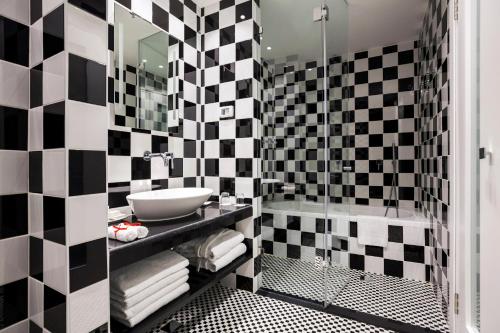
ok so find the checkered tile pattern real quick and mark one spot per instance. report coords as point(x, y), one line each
point(68, 278)
point(231, 147)
point(14, 165)
point(302, 236)
point(400, 299)
point(372, 105)
point(225, 310)
point(434, 136)
point(129, 173)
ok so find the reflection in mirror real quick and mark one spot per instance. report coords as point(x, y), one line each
point(146, 81)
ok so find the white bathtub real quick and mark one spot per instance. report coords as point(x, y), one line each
point(344, 211)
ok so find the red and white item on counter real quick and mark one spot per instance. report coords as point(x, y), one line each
point(127, 231)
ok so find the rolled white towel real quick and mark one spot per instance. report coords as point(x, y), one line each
point(142, 231)
point(129, 280)
point(122, 234)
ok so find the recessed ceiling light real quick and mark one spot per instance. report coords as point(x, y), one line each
point(269, 48)
point(310, 69)
point(144, 60)
point(243, 17)
point(261, 37)
point(160, 66)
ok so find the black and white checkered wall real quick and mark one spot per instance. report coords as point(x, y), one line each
point(302, 236)
point(231, 147)
point(14, 105)
point(128, 172)
point(68, 119)
point(371, 105)
point(434, 138)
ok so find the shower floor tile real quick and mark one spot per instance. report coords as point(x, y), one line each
point(408, 301)
point(225, 310)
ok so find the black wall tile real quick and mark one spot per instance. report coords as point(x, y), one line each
point(14, 302)
point(14, 42)
point(118, 143)
point(53, 125)
point(13, 128)
point(140, 168)
point(189, 36)
point(35, 171)
point(53, 32)
point(177, 9)
point(393, 268)
point(87, 172)
point(244, 11)
point(35, 10)
point(36, 86)
point(227, 35)
point(87, 264)
point(36, 258)
point(54, 218)
point(86, 81)
point(54, 315)
point(212, 167)
point(13, 215)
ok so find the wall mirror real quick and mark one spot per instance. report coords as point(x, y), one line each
point(146, 85)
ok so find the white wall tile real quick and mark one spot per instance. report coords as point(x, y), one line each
point(55, 267)
point(227, 167)
point(140, 185)
point(143, 8)
point(86, 126)
point(35, 214)
point(158, 169)
point(89, 307)
point(54, 70)
point(139, 143)
point(35, 291)
point(35, 135)
point(54, 172)
point(36, 43)
point(243, 31)
point(175, 27)
point(17, 10)
point(86, 35)
point(16, 93)
point(87, 218)
point(119, 169)
point(227, 54)
point(14, 263)
point(14, 175)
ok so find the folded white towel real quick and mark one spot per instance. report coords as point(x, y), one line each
point(211, 247)
point(215, 265)
point(131, 279)
point(127, 302)
point(131, 322)
point(373, 230)
point(129, 312)
point(122, 234)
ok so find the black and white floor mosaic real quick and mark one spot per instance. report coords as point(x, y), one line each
point(404, 300)
point(225, 310)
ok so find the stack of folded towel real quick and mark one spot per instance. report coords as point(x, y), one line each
point(143, 287)
point(215, 251)
point(127, 231)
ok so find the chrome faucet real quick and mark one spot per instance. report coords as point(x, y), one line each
point(166, 156)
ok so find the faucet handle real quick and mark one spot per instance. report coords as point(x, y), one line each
point(147, 156)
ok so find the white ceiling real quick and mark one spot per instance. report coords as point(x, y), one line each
point(354, 25)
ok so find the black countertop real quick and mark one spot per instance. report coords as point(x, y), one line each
point(167, 234)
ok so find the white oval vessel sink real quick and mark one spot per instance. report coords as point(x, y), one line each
point(168, 203)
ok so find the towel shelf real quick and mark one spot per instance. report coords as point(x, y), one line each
point(165, 235)
point(199, 282)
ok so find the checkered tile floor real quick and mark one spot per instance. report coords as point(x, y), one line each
point(404, 300)
point(225, 310)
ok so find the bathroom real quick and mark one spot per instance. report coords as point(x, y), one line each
point(248, 166)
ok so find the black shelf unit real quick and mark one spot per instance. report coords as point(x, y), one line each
point(199, 282)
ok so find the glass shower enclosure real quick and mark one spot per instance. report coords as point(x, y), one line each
point(305, 94)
